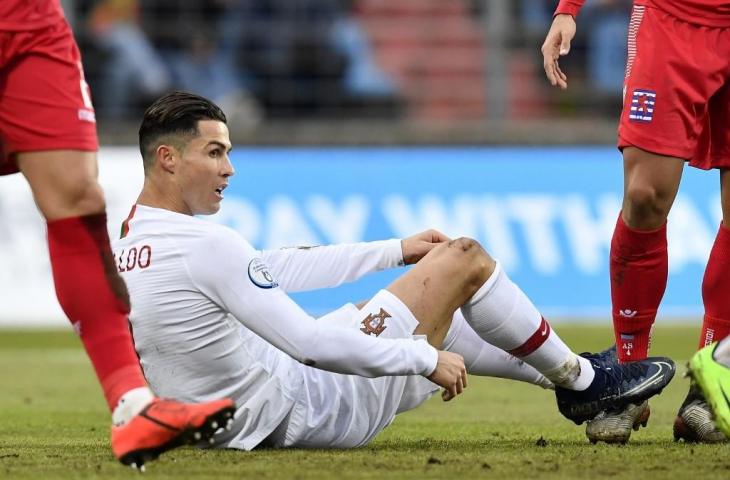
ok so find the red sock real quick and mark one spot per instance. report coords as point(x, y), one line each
point(94, 297)
point(639, 266)
point(716, 291)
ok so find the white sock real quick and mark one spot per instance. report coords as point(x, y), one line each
point(486, 360)
point(131, 404)
point(502, 315)
point(722, 352)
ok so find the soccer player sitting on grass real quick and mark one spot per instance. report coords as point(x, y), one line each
point(211, 316)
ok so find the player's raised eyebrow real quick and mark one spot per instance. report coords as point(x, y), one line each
point(224, 146)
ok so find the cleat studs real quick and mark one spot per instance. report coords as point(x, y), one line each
point(142, 468)
point(133, 465)
point(214, 425)
point(197, 436)
point(211, 440)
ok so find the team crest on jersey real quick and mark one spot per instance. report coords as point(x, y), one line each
point(375, 324)
point(642, 105)
point(259, 274)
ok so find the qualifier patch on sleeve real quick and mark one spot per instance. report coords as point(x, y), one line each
point(259, 274)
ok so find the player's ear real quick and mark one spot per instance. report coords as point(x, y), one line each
point(166, 156)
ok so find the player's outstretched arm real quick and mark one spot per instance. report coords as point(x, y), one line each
point(556, 45)
point(228, 270)
point(299, 269)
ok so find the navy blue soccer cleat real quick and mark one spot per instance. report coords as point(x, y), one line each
point(615, 386)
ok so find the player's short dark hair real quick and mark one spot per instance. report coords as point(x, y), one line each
point(174, 118)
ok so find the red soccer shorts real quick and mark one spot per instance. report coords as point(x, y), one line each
point(677, 89)
point(45, 102)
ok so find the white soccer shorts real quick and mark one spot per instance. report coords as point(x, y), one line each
point(344, 411)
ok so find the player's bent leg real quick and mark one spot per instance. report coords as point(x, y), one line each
point(484, 359)
point(501, 314)
point(387, 316)
point(440, 283)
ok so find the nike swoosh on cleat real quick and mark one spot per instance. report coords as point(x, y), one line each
point(664, 367)
point(727, 400)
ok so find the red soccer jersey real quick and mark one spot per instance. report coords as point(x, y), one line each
point(22, 15)
point(712, 13)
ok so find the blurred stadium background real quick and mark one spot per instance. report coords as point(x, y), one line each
point(356, 71)
point(363, 119)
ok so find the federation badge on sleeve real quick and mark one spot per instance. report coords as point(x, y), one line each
point(259, 274)
point(642, 105)
point(375, 324)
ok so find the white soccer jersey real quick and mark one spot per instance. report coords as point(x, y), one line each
point(211, 320)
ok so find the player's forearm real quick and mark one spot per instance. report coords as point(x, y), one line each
point(300, 269)
point(343, 350)
point(275, 317)
point(569, 7)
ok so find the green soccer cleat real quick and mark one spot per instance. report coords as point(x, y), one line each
point(713, 378)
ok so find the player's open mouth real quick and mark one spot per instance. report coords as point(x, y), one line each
point(220, 189)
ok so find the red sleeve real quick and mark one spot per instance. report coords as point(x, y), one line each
point(570, 7)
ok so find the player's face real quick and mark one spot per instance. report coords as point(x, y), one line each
point(205, 168)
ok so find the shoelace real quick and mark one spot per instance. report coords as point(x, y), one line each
point(623, 374)
point(604, 357)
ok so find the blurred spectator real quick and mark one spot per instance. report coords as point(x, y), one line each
point(188, 37)
point(606, 23)
point(362, 77)
point(306, 57)
point(133, 71)
point(430, 60)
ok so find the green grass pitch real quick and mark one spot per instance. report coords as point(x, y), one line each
point(54, 424)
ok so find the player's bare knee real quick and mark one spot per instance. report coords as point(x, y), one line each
point(645, 205)
point(473, 260)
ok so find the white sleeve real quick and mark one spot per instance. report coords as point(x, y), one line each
point(309, 268)
point(228, 270)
